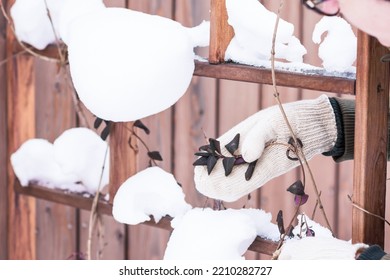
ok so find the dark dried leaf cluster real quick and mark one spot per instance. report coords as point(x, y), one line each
point(211, 153)
point(153, 155)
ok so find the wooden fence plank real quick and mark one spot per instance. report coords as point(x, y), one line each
point(220, 31)
point(372, 105)
point(3, 143)
point(195, 113)
point(20, 127)
point(344, 208)
point(56, 224)
point(145, 242)
point(387, 227)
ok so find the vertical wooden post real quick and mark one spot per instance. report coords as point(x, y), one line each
point(221, 32)
point(122, 157)
point(20, 127)
point(372, 106)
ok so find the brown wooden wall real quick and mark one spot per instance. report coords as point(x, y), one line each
point(3, 147)
point(210, 106)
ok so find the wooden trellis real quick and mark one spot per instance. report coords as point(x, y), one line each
point(371, 88)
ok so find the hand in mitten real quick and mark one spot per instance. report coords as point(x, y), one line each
point(263, 141)
point(320, 248)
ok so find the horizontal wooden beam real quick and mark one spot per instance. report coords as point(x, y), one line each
point(76, 200)
point(252, 74)
point(64, 197)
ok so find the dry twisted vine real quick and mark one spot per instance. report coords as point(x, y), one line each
point(24, 46)
point(300, 152)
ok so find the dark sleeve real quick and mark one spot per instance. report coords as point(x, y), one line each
point(373, 252)
point(344, 110)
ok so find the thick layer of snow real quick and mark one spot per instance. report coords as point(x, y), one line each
point(82, 152)
point(74, 162)
point(253, 27)
point(71, 10)
point(33, 25)
point(126, 65)
point(205, 234)
point(31, 21)
point(151, 192)
point(34, 162)
point(339, 47)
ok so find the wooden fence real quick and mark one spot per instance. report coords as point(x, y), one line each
point(210, 105)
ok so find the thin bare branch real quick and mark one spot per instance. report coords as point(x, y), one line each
point(76, 101)
point(24, 46)
point(94, 216)
point(4, 61)
point(277, 98)
point(59, 49)
point(367, 212)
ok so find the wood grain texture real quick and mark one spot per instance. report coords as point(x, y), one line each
point(195, 113)
point(3, 143)
point(56, 223)
point(251, 74)
point(122, 157)
point(221, 32)
point(21, 224)
point(372, 105)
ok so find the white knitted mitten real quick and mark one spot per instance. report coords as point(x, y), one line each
point(319, 248)
point(312, 121)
